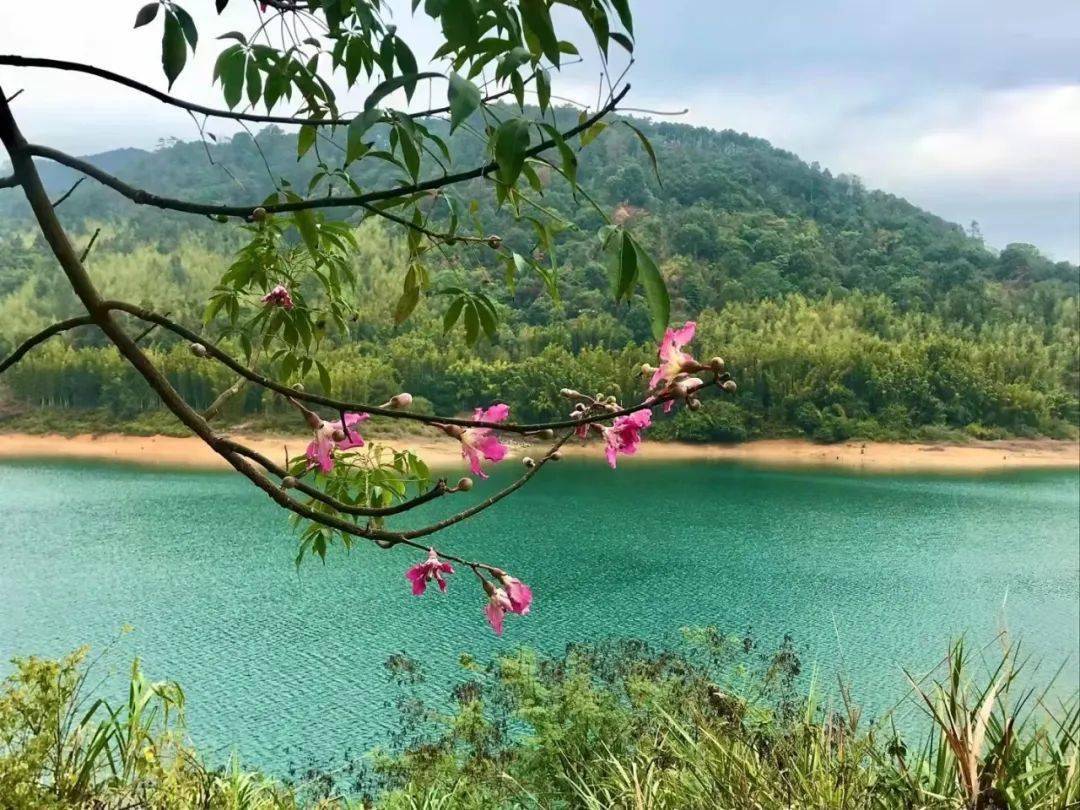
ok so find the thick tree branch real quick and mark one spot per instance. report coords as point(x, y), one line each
point(269, 465)
point(41, 337)
point(338, 405)
point(100, 314)
point(143, 197)
point(62, 64)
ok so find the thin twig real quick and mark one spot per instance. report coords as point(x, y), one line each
point(41, 337)
point(226, 359)
point(16, 60)
point(68, 193)
point(89, 246)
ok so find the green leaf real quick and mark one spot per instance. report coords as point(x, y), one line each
point(464, 98)
point(191, 33)
point(230, 68)
point(459, 22)
point(324, 377)
point(488, 319)
point(309, 230)
point(146, 14)
point(173, 48)
point(656, 294)
point(407, 63)
point(453, 312)
point(625, 41)
point(390, 85)
point(543, 89)
point(648, 147)
point(305, 140)
point(511, 141)
point(589, 135)
point(622, 264)
point(472, 324)
point(254, 82)
point(407, 303)
point(625, 17)
point(537, 18)
point(354, 145)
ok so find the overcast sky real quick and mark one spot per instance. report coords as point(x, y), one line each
point(969, 108)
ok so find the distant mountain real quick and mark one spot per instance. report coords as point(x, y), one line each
point(735, 218)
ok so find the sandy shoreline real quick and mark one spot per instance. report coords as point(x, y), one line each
point(188, 452)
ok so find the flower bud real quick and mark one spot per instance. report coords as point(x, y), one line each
point(494, 241)
point(289, 482)
point(730, 386)
point(693, 404)
point(569, 393)
point(556, 455)
point(464, 484)
point(297, 386)
point(198, 349)
point(401, 401)
point(717, 364)
point(258, 215)
point(382, 542)
point(546, 433)
point(339, 435)
point(528, 462)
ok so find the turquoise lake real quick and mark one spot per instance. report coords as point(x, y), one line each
point(868, 574)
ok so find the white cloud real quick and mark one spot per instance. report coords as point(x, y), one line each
point(964, 152)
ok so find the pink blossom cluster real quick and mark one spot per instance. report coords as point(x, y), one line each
point(278, 297)
point(670, 381)
point(510, 596)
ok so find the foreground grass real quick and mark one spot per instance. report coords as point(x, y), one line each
point(712, 725)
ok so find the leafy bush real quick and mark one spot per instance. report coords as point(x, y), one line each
point(712, 722)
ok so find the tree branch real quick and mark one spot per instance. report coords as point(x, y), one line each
point(41, 337)
point(338, 405)
point(143, 197)
point(62, 64)
point(436, 491)
point(100, 314)
point(68, 193)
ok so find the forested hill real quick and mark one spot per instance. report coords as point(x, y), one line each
point(834, 298)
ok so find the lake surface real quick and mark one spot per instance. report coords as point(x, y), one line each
point(867, 573)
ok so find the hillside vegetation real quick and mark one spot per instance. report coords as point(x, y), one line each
point(843, 312)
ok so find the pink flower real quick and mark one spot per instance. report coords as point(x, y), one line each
point(519, 594)
point(483, 443)
point(430, 569)
point(329, 435)
point(278, 297)
point(624, 435)
point(673, 360)
point(680, 389)
point(495, 609)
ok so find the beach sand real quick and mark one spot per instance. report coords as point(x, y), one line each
point(189, 452)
